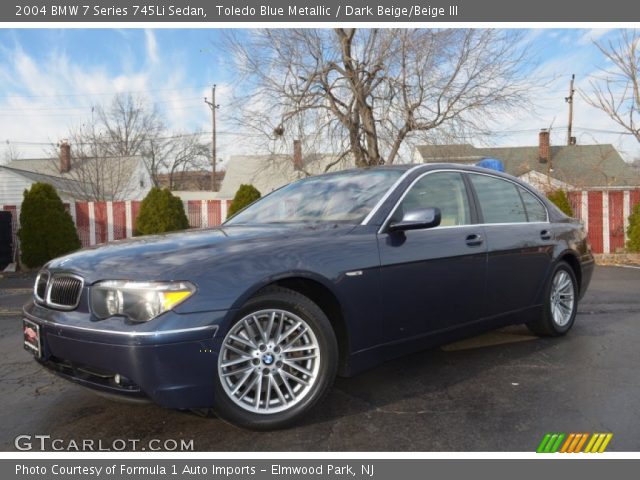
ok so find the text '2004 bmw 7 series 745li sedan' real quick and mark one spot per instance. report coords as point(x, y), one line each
point(326, 276)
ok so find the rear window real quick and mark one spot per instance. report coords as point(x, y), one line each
point(535, 210)
point(499, 199)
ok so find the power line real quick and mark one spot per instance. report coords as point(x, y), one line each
point(171, 137)
point(86, 107)
point(562, 127)
point(598, 130)
point(71, 113)
point(61, 95)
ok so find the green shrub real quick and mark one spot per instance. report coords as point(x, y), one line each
point(161, 212)
point(46, 228)
point(246, 195)
point(633, 231)
point(559, 197)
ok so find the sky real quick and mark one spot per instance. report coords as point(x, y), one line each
point(51, 78)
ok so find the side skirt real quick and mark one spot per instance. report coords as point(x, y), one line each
point(371, 357)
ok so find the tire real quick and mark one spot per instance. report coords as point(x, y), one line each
point(560, 303)
point(277, 361)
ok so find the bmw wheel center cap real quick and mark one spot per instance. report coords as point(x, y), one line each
point(267, 359)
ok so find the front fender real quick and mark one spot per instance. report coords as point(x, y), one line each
point(291, 274)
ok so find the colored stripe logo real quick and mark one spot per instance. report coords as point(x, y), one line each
point(574, 443)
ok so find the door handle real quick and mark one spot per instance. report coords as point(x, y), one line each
point(474, 240)
point(545, 235)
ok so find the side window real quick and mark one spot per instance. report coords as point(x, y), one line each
point(499, 199)
point(535, 210)
point(443, 190)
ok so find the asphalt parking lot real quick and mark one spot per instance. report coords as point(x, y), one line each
point(498, 392)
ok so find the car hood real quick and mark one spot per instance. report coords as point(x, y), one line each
point(182, 255)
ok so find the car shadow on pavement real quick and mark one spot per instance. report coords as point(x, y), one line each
point(404, 404)
point(478, 373)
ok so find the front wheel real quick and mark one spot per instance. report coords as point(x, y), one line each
point(561, 303)
point(276, 362)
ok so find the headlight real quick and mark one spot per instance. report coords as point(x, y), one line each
point(139, 301)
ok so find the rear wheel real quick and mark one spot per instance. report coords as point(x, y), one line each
point(561, 303)
point(276, 361)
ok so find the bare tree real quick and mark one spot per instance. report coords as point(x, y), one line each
point(176, 155)
point(365, 93)
point(95, 174)
point(106, 150)
point(617, 90)
point(11, 153)
point(128, 124)
point(132, 126)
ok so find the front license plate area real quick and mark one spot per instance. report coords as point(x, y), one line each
point(31, 334)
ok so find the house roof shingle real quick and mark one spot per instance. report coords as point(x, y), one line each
point(47, 170)
point(584, 166)
point(65, 185)
point(50, 166)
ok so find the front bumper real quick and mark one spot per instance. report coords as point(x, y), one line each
point(173, 365)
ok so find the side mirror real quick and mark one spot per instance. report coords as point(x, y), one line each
point(417, 219)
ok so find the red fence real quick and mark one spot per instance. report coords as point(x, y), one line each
point(605, 214)
point(101, 222)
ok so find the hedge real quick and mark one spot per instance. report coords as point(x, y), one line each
point(160, 212)
point(633, 230)
point(246, 195)
point(46, 228)
point(559, 197)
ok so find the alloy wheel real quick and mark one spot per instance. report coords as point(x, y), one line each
point(269, 361)
point(562, 298)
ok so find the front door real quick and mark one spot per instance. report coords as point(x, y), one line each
point(433, 279)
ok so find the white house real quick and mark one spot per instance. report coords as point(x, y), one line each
point(14, 181)
point(122, 178)
point(269, 172)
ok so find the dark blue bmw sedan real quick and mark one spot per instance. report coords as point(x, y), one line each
point(326, 276)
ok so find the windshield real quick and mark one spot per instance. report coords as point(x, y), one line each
point(345, 197)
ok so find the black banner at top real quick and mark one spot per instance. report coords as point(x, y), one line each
point(297, 11)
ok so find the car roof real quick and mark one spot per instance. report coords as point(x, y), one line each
point(425, 167)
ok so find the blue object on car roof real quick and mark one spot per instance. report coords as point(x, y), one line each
point(491, 163)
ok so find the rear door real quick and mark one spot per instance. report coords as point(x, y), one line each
point(519, 240)
point(433, 279)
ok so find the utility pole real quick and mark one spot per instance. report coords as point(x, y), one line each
point(213, 106)
point(569, 100)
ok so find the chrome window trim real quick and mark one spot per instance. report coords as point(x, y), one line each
point(52, 277)
point(120, 332)
point(385, 223)
point(513, 223)
point(384, 198)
